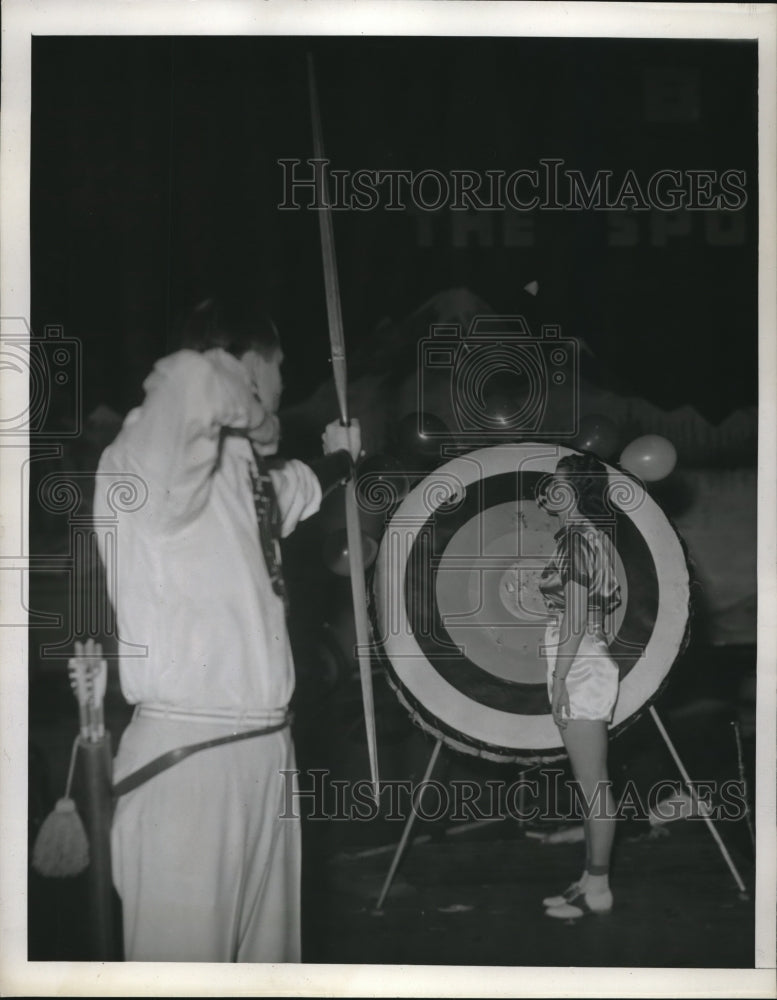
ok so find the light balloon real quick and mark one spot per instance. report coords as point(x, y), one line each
point(650, 457)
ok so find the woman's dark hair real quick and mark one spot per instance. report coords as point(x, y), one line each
point(235, 324)
point(588, 475)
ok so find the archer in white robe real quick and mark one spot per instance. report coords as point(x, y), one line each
point(205, 868)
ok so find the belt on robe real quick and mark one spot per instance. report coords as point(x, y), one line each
point(166, 760)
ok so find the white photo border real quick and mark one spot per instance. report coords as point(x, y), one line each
point(23, 19)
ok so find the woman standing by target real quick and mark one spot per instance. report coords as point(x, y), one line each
point(580, 588)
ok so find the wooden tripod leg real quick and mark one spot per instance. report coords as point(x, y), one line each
point(408, 825)
point(695, 799)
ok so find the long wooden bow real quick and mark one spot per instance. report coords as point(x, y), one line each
point(337, 342)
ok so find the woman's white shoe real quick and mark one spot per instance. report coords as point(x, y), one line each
point(563, 897)
point(582, 904)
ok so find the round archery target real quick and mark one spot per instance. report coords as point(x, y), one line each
point(462, 622)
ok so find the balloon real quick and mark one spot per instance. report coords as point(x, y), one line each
point(650, 457)
point(381, 484)
point(505, 396)
point(597, 434)
point(333, 653)
point(336, 555)
point(383, 473)
point(421, 435)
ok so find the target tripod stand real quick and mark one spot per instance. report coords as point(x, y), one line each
point(430, 767)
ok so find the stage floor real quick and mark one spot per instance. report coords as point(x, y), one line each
point(475, 899)
point(472, 899)
point(467, 894)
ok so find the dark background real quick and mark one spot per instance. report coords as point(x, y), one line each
point(154, 172)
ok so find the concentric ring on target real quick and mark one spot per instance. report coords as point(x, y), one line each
point(461, 623)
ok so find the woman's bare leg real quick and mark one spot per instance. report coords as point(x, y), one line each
point(586, 743)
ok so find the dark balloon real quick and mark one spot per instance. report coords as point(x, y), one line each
point(336, 555)
point(505, 397)
point(383, 469)
point(597, 434)
point(381, 484)
point(422, 435)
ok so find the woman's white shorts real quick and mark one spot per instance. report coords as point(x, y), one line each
point(593, 679)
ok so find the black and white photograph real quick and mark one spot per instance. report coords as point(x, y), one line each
point(388, 488)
